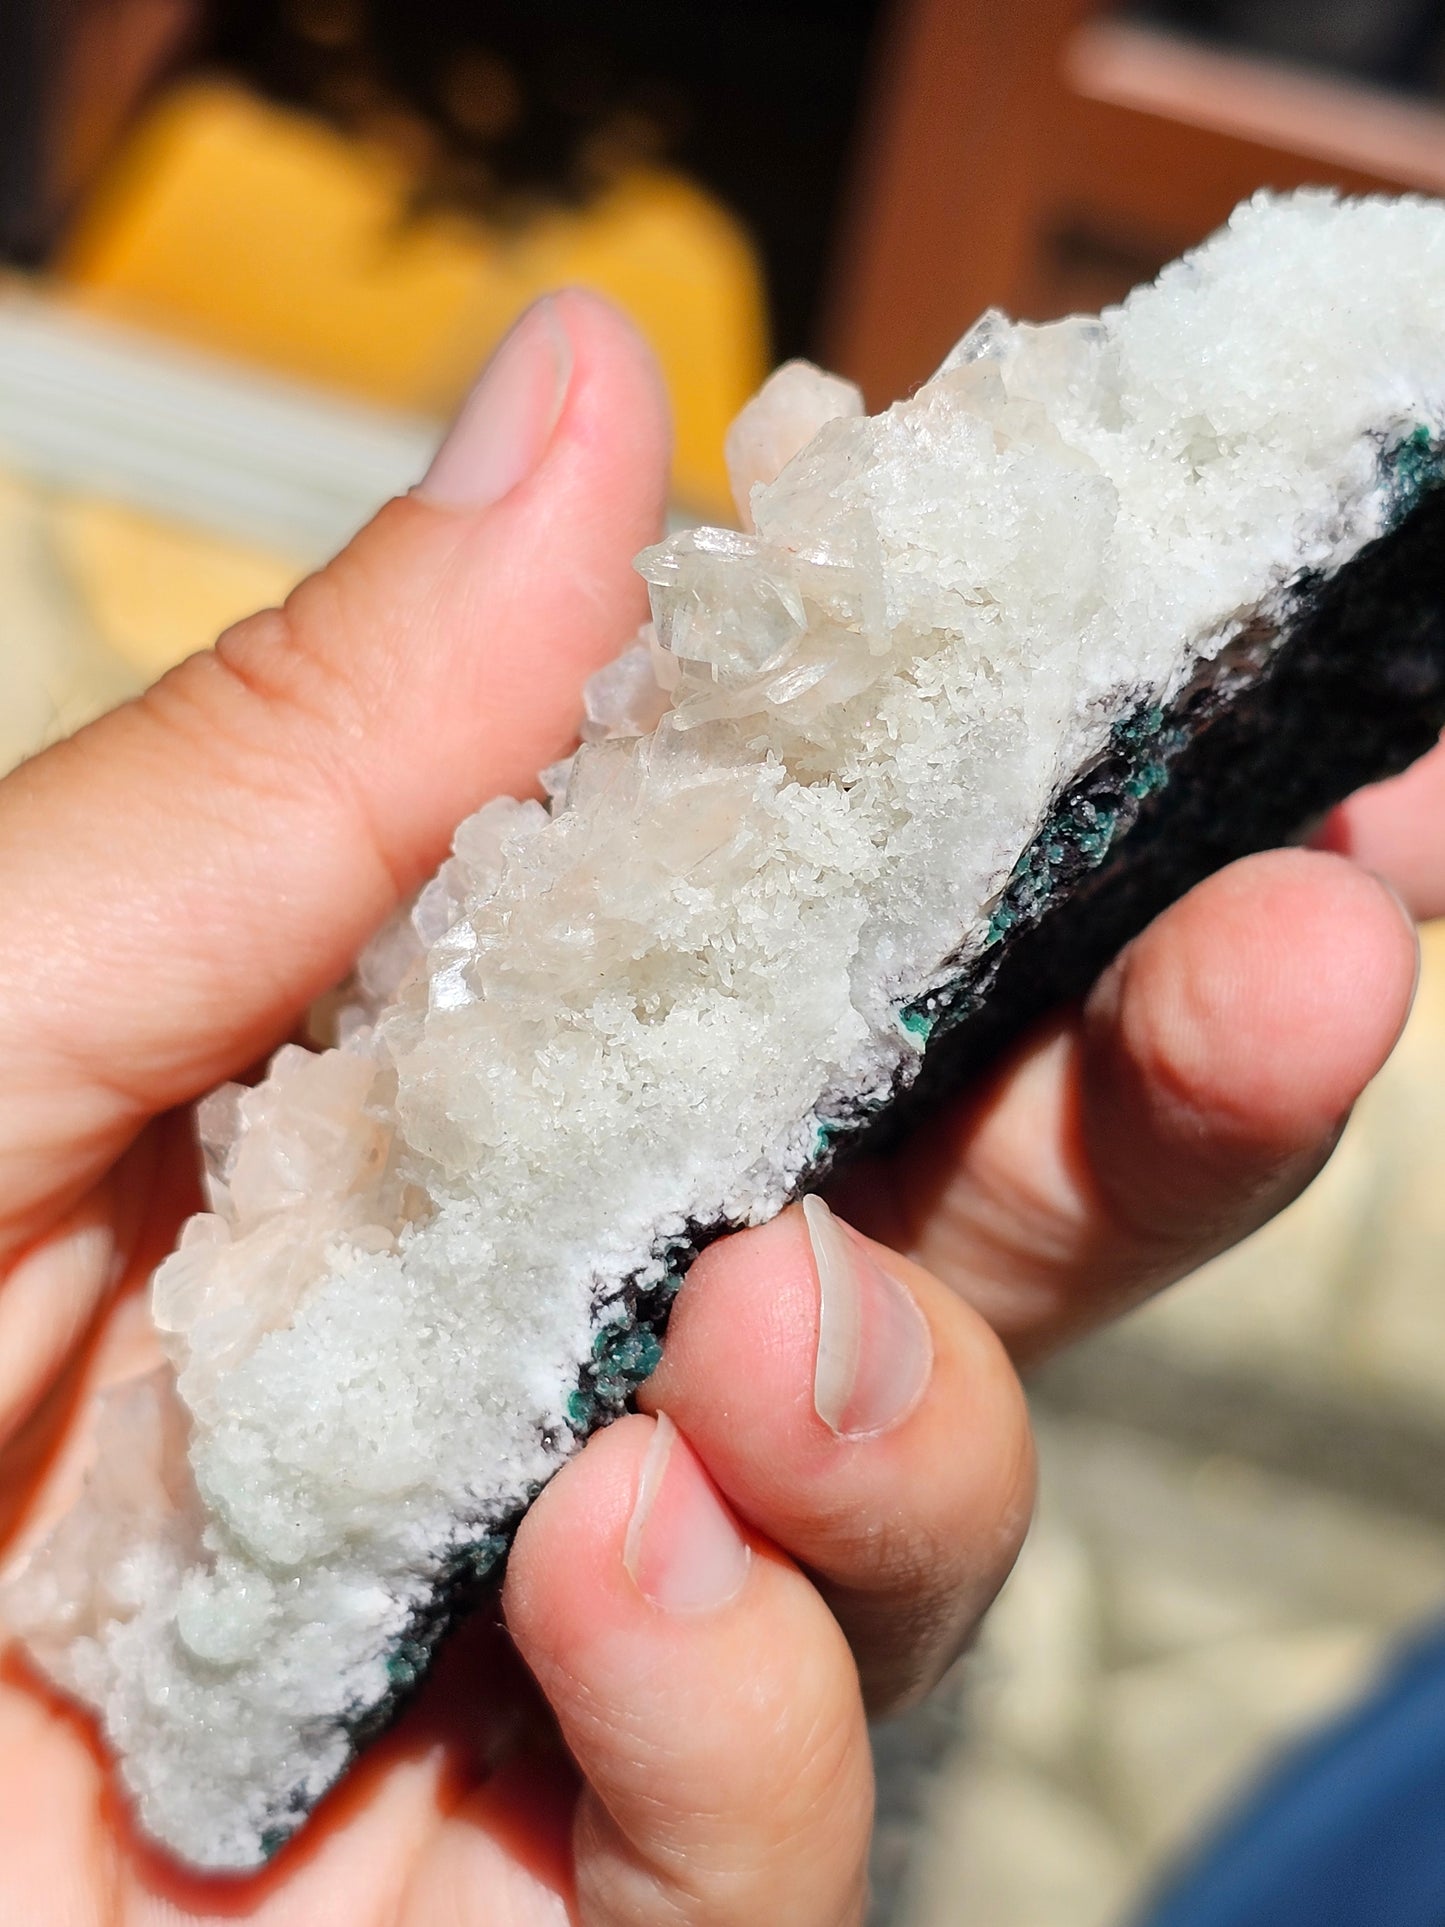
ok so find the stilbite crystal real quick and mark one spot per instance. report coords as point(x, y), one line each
point(793, 404)
point(880, 752)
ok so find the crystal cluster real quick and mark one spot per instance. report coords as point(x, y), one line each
point(616, 1023)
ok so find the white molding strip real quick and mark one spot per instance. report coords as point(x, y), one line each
point(86, 405)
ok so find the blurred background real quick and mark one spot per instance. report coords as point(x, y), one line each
point(253, 254)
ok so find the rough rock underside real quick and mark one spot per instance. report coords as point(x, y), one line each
point(988, 680)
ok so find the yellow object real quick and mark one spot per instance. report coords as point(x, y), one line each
point(265, 234)
point(154, 591)
point(55, 671)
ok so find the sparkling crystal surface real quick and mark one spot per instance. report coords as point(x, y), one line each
point(608, 1023)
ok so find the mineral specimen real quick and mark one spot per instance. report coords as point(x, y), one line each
point(989, 679)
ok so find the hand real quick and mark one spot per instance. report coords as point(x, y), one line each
point(1394, 828)
point(703, 1603)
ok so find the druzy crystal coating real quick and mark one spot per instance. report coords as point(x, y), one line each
point(617, 1023)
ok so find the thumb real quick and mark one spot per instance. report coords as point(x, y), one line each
point(185, 875)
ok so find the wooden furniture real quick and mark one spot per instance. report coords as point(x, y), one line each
point(71, 74)
point(1039, 159)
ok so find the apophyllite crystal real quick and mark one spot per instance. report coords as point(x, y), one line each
point(988, 679)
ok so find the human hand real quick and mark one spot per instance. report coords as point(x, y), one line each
point(707, 1602)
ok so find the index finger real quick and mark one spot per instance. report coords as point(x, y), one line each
point(183, 877)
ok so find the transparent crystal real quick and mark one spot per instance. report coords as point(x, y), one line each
point(785, 415)
point(625, 698)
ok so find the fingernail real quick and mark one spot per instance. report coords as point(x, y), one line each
point(683, 1547)
point(507, 420)
point(1393, 891)
point(875, 1350)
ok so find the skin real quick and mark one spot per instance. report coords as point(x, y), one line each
point(184, 877)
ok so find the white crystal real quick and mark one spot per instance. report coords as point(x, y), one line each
point(625, 698)
point(601, 1027)
point(793, 403)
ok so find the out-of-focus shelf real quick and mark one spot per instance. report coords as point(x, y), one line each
point(1166, 135)
point(1043, 158)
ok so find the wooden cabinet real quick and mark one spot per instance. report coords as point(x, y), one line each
point(1042, 158)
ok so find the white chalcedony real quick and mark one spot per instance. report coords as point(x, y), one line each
point(637, 1012)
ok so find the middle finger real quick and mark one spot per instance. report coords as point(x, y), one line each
point(867, 1420)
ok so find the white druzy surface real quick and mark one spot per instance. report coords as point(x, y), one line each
point(798, 797)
